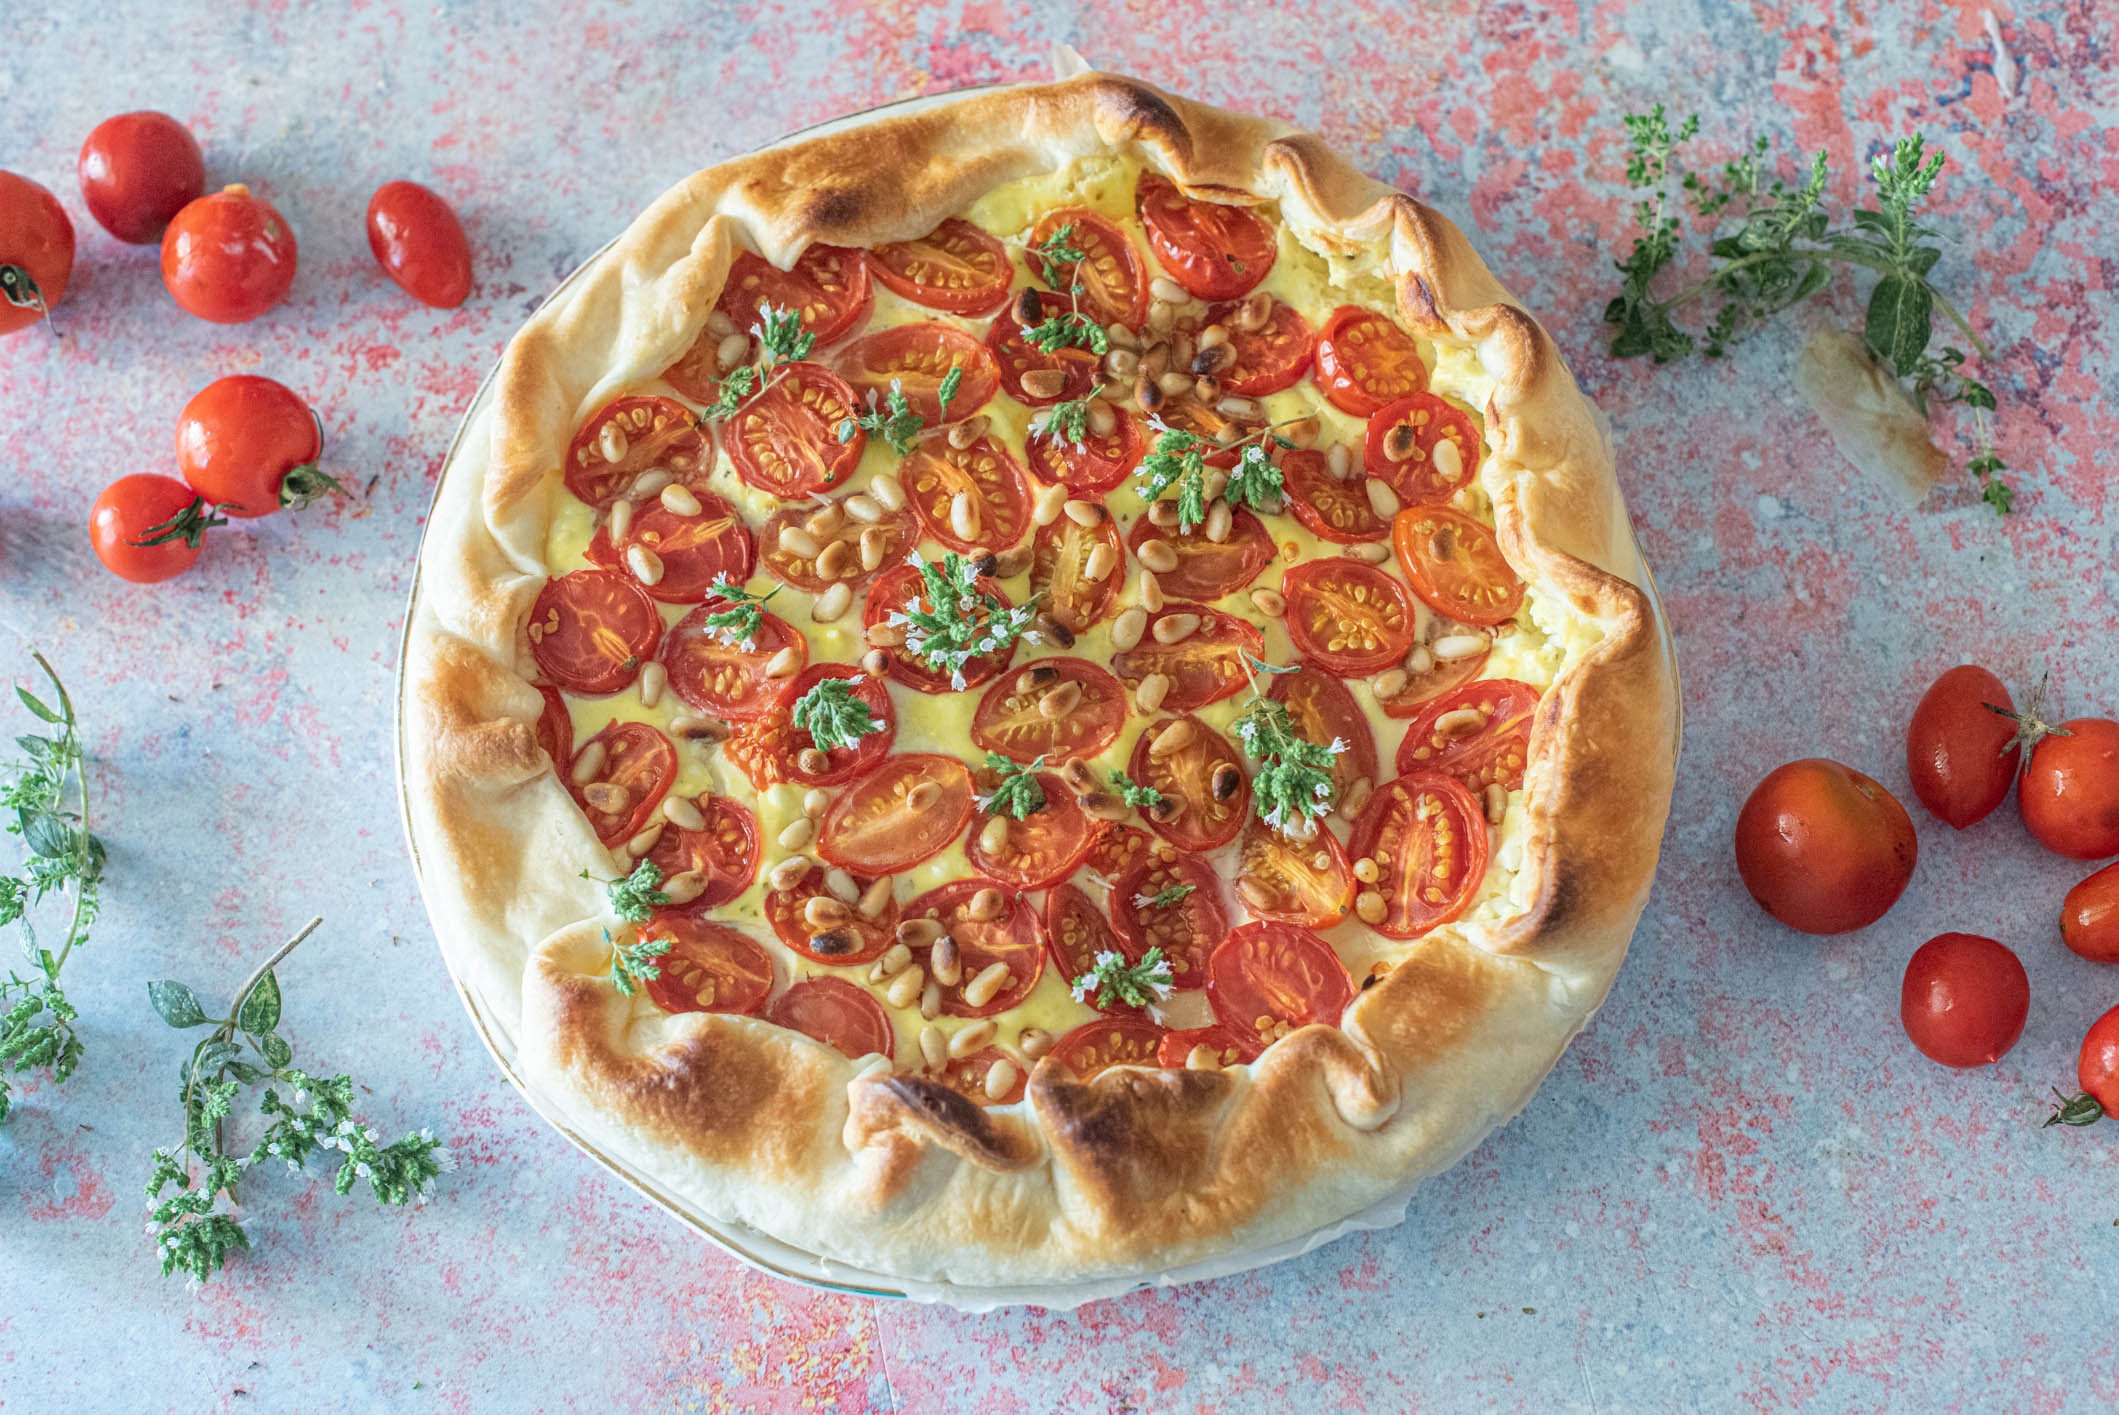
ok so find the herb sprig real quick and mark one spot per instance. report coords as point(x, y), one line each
point(1068, 329)
point(1016, 792)
point(744, 615)
point(635, 897)
point(633, 964)
point(961, 620)
point(1163, 898)
point(1067, 421)
point(834, 715)
point(1144, 984)
point(1293, 788)
point(896, 422)
point(781, 340)
point(1179, 461)
point(1058, 257)
point(1133, 793)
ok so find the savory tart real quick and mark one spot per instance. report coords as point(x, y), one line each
point(1050, 688)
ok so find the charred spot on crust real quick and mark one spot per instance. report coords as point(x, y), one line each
point(1419, 300)
point(1146, 113)
point(956, 1116)
point(831, 209)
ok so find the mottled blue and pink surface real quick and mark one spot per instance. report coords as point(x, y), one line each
point(1741, 1190)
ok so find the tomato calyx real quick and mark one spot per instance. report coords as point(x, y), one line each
point(2031, 727)
point(188, 525)
point(20, 289)
point(2077, 1110)
point(309, 482)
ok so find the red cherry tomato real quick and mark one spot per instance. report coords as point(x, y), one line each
point(1333, 509)
point(1823, 848)
point(1113, 280)
point(827, 286)
point(1016, 356)
point(1960, 753)
point(1455, 564)
point(250, 446)
point(1216, 251)
point(420, 244)
point(1076, 932)
point(1428, 835)
point(1039, 850)
point(2097, 1071)
point(1296, 880)
point(1493, 750)
point(1226, 1046)
point(146, 528)
point(1095, 1047)
point(695, 551)
point(709, 967)
point(1185, 928)
point(1404, 449)
point(937, 473)
point(908, 808)
point(137, 171)
point(1323, 709)
point(1015, 937)
point(36, 252)
point(635, 768)
point(1364, 360)
point(591, 630)
point(1270, 978)
point(1352, 618)
point(555, 728)
point(1268, 359)
point(1206, 819)
point(842, 764)
point(1209, 569)
point(1095, 464)
point(723, 678)
point(842, 1015)
point(1059, 571)
point(917, 358)
point(1964, 999)
point(2069, 795)
point(900, 588)
point(971, 1077)
point(1204, 667)
point(723, 853)
point(786, 440)
point(1008, 719)
point(2089, 917)
point(892, 536)
point(956, 267)
point(629, 437)
point(859, 939)
point(228, 257)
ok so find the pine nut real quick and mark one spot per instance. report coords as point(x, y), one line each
point(798, 542)
point(645, 564)
point(1156, 554)
point(875, 899)
point(1303, 433)
point(1214, 483)
point(1085, 513)
point(962, 435)
point(1173, 738)
point(1236, 407)
point(1037, 675)
point(1174, 384)
point(1382, 500)
point(904, 989)
point(1044, 382)
point(799, 834)
point(816, 802)
point(1459, 720)
point(1168, 290)
point(918, 933)
point(649, 483)
point(875, 542)
point(886, 490)
point(1060, 701)
point(990, 980)
point(973, 1037)
point(931, 1000)
point(821, 911)
point(835, 601)
point(1203, 1058)
point(1451, 647)
point(934, 1048)
point(1162, 314)
point(1227, 778)
point(1357, 796)
point(1148, 697)
point(944, 961)
point(964, 516)
point(923, 796)
point(784, 664)
point(682, 814)
point(1001, 1079)
point(653, 679)
point(1034, 1042)
point(645, 841)
point(1121, 365)
point(834, 943)
point(1365, 870)
point(790, 872)
point(1054, 632)
point(985, 906)
point(1163, 514)
point(1269, 602)
point(721, 325)
point(1338, 461)
point(607, 797)
point(1496, 802)
point(1175, 628)
point(1370, 906)
point(1447, 460)
point(1012, 561)
point(1369, 552)
point(621, 519)
point(678, 500)
point(1101, 420)
point(1399, 443)
point(1151, 591)
point(694, 727)
point(841, 885)
point(612, 442)
point(837, 560)
point(1102, 805)
point(1253, 314)
point(1388, 684)
point(895, 960)
point(684, 886)
point(994, 835)
point(865, 508)
point(731, 351)
point(1420, 660)
point(825, 519)
point(588, 764)
point(1046, 508)
point(1220, 521)
point(1127, 628)
point(885, 636)
point(1101, 562)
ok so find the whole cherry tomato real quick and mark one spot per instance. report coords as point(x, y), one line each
point(36, 252)
point(2089, 918)
point(1964, 999)
point(1823, 848)
point(420, 244)
point(1961, 748)
point(250, 446)
point(2069, 795)
point(146, 528)
point(228, 257)
point(2097, 1072)
point(137, 171)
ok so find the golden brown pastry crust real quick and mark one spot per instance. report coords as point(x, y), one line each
point(1135, 1172)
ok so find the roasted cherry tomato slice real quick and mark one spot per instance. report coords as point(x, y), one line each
point(1334, 510)
point(895, 534)
point(956, 268)
point(1364, 361)
point(36, 252)
point(555, 729)
point(1961, 751)
point(828, 287)
point(1186, 778)
point(844, 1016)
point(1423, 448)
point(1466, 648)
point(2089, 917)
point(1096, 1047)
point(137, 171)
point(1076, 931)
point(1208, 569)
point(724, 679)
point(419, 242)
point(1292, 879)
point(1964, 999)
point(2069, 795)
point(629, 436)
point(1111, 274)
point(1323, 710)
point(1428, 835)
point(591, 630)
point(907, 808)
point(1823, 848)
point(1456, 565)
point(1270, 978)
point(1202, 420)
point(228, 257)
point(1059, 570)
point(1203, 667)
point(1017, 356)
point(845, 763)
point(1353, 619)
point(917, 357)
point(1008, 720)
point(694, 551)
point(638, 766)
point(1094, 465)
point(786, 440)
point(970, 1076)
point(1118, 849)
point(709, 967)
point(903, 586)
point(762, 749)
point(1016, 938)
point(1479, 733)
point(1039, 850)
point(1216, 251)
point(1268, 359)
point(987, 473)
point(724, 853)
point(858, 939)
point(1228, 1045)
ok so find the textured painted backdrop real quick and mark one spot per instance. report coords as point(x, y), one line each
point(1740, 1190)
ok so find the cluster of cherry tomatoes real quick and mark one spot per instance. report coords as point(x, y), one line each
point(1825, 849)
point(246, 446)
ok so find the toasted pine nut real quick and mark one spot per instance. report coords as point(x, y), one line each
point(864, 508)
point(1338, 461)
point(1174, 384)
point(836, 561)
point(649, 483)
point(1455, 646)
point(784, 664)
point(931, 1000)
point(1122, 364)
point(1459, 720)
point(1496, 802)
point(835, 601)
point(1357, 796)
point(645, 841)
point(1400, 443)
point(696, 727)
point(994, 834)
point(1101, 421)
point(612, 441)
point(1238, 407)
point(841, 885)
point(798, 542)
point(885, 636)
point(1169, 291)
point(943, 960)
point(904, 989)
point(1128, 627)
point(1044, 382)
point(607, 797)
point(1086, 513)
point(1163, 514)
point(588, 764)
point(815, 802)
point(1156, 554)
point(985, 906)
point(1001, 1079)
point(683, 814)
point(1420, 660)
point(964, 516)
point(934, 1048)
point(1034, 1042)
point(1060, 701)
point(1101, 562)
point(1388, 684)
point(1046, 508)
point(821, 911)
point(1302, 433)
point(1151, 591)
point(1270, 602)
point(875, 541)
point(825, 519)
point(923, 796)
point(645, 564)
point(653, 679)
point(875, 899)
point(1382, 500)
point(1175, 737)
point(1220, 521)
point(1256, 309)
point(886, 490)
point(918, 933)
point(731, 351)
point(990, 980)
point(799, 834)
point(684, 886)
point(962, 435)
point(790, 872)
point(1370, 906)
point(1369, 552)
point(972, 1037)
point(1175, 628)
point(1149, 695)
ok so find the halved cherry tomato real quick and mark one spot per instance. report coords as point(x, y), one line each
point(1280, 877)
point(1417, 426)
point(967, 1075)
point(1364, 360)
point(1429, 837)
point(905, 810)
point(917, 357)
point(1059, 571)
point(1268, 359)
point(137, 171)
point(1184, 929)
point(845, 763)
point(2069, 795)
point(250, 446)
point(724, 854)
point(1076, 931)
point(1961, 752)
point(936, 473)
point(859, 939)
point(1353, 619)
point(555, 729)
point(1186, 778)
point(695, 551)
point(709, 967)
point(786, 440)
point(1229, 1046)
point(590, 630)
point(1270, 978)
point(420, 244)
point(1208, 569)
point(1492, 751)
point(1964, 999)
point(1039, 850)
point(645, 434)
point(1017, 356)
point(639, 764)
point(762, 749)
point(1424, 685)
point(828, 287)
point(1214, 250)
point(1823, 848)
point(844, 1016)
point(1095, 1047)
point(1456, 565)
point(1093, 465)
point(1112, 276)
point(903, 586)
point(1208, 421)
point(1117, 850)
point(1203, 667)
point(895, 534)
point(36, 252)
point(956, 268)
point(1332, 509)
point(1008, 721)
point(724, 679)
point(1016, 938)
point(1323, 710)
point(2089, 917)
point(228, 257)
